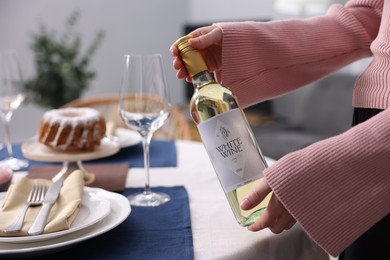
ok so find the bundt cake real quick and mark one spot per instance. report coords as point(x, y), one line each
point(72, 129)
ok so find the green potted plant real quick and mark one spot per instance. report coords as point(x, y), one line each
point(62, 72)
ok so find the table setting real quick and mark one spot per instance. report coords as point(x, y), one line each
point(113, 207)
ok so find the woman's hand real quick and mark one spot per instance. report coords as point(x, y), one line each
point(275, 217)
point(208, 40)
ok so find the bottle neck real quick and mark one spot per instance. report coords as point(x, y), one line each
point(201, 78)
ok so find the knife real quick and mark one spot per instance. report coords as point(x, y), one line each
point(50, 198)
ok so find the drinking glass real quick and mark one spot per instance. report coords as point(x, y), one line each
point(11, 96)
point(144, 106)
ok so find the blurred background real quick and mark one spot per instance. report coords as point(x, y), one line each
point(129, 26)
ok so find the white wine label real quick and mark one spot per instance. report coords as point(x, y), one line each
point(233, 153)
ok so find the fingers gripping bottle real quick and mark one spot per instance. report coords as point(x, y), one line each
point(225, 133)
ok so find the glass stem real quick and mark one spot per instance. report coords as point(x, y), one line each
point(7, 136)
point(146, 145)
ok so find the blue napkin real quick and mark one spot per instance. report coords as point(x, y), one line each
point(162, 232)
point(162, 154)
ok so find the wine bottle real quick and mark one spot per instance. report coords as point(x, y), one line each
point(225, 133)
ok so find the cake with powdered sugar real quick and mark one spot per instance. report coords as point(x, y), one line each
point(72, 129)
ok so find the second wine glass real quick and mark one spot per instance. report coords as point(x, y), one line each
point(144, 106)
point(11, 97)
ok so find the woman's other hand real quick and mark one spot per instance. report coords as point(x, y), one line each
point(275, 217)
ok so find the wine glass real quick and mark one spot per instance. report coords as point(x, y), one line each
point(144, 106)
point(11, 96)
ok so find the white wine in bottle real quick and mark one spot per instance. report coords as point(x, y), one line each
point(225, 133)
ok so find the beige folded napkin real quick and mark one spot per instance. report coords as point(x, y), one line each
point(62, 213)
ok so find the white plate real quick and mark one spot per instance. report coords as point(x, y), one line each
point(127, 137)
point(34, 150)
point(93, 209)
point(119, 211)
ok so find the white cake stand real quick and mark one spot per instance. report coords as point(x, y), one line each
point(34, 150)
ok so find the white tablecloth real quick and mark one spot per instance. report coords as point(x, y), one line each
point(216, 234)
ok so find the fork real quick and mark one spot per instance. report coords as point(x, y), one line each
point(35, 198)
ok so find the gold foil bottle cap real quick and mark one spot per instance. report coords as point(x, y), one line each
point(191, 57)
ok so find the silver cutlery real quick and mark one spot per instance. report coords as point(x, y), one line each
point(35, 198)
point(50, 198)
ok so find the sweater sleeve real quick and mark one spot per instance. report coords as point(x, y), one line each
point(263, 60)
point(339, 187)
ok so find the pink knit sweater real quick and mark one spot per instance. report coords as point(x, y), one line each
point(336, 188)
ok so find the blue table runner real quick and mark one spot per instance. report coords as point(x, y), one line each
point(162, 232)
point(162, 154)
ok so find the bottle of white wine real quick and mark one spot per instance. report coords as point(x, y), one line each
point(225, 133)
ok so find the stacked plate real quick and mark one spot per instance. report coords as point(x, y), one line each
point(100, 212)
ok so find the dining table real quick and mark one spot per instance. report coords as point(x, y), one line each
point(196, 224)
